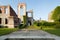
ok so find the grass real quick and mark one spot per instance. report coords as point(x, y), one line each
point(33, 27)
point(50, 30)
point(53, 31)
point(39, 28)
point(4, 31)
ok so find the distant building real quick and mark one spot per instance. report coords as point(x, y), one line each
point(49, 17)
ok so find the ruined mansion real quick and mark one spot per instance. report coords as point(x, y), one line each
point(10, 19)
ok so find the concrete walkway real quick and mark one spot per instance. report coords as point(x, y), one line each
point(37, 34)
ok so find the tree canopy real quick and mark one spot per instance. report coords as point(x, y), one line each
point(56, 14)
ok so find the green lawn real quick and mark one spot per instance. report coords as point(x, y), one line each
point(4, 31)
point(33, 27)
point(53, 31)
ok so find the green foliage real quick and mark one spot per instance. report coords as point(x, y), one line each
point(37, 23)
point(25, 25)
point(24, 22)
point(57, 25)
point(24, 19)
point(56, 14)
point(21, 26)
point(44, 23)
point(48, 23)
point(4, 31)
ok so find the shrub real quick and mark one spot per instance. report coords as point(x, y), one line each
point(22, 26)
point(5, 26)
point(44, 23)
point(25, 25)
point(1, 26)
point(57, 25)
point(39, 24)
point(35, 22)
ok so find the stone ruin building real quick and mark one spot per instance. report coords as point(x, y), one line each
point(10, 19)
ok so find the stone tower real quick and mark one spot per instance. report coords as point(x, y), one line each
point(23, 6)
point(30, 19)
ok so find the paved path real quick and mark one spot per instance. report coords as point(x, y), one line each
point(30, 34)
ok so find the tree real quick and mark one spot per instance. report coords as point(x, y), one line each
point(56, 14)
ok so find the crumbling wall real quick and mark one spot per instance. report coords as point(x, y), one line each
point(12, 12)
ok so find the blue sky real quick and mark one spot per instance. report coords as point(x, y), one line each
point(41, 8)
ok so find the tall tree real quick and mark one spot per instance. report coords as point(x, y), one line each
point(56, 14)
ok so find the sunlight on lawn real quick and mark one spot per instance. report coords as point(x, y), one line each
point(4, 31)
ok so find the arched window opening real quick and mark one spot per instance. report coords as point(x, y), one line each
point(21, 11)
point(6, 10)
point(29, 14)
